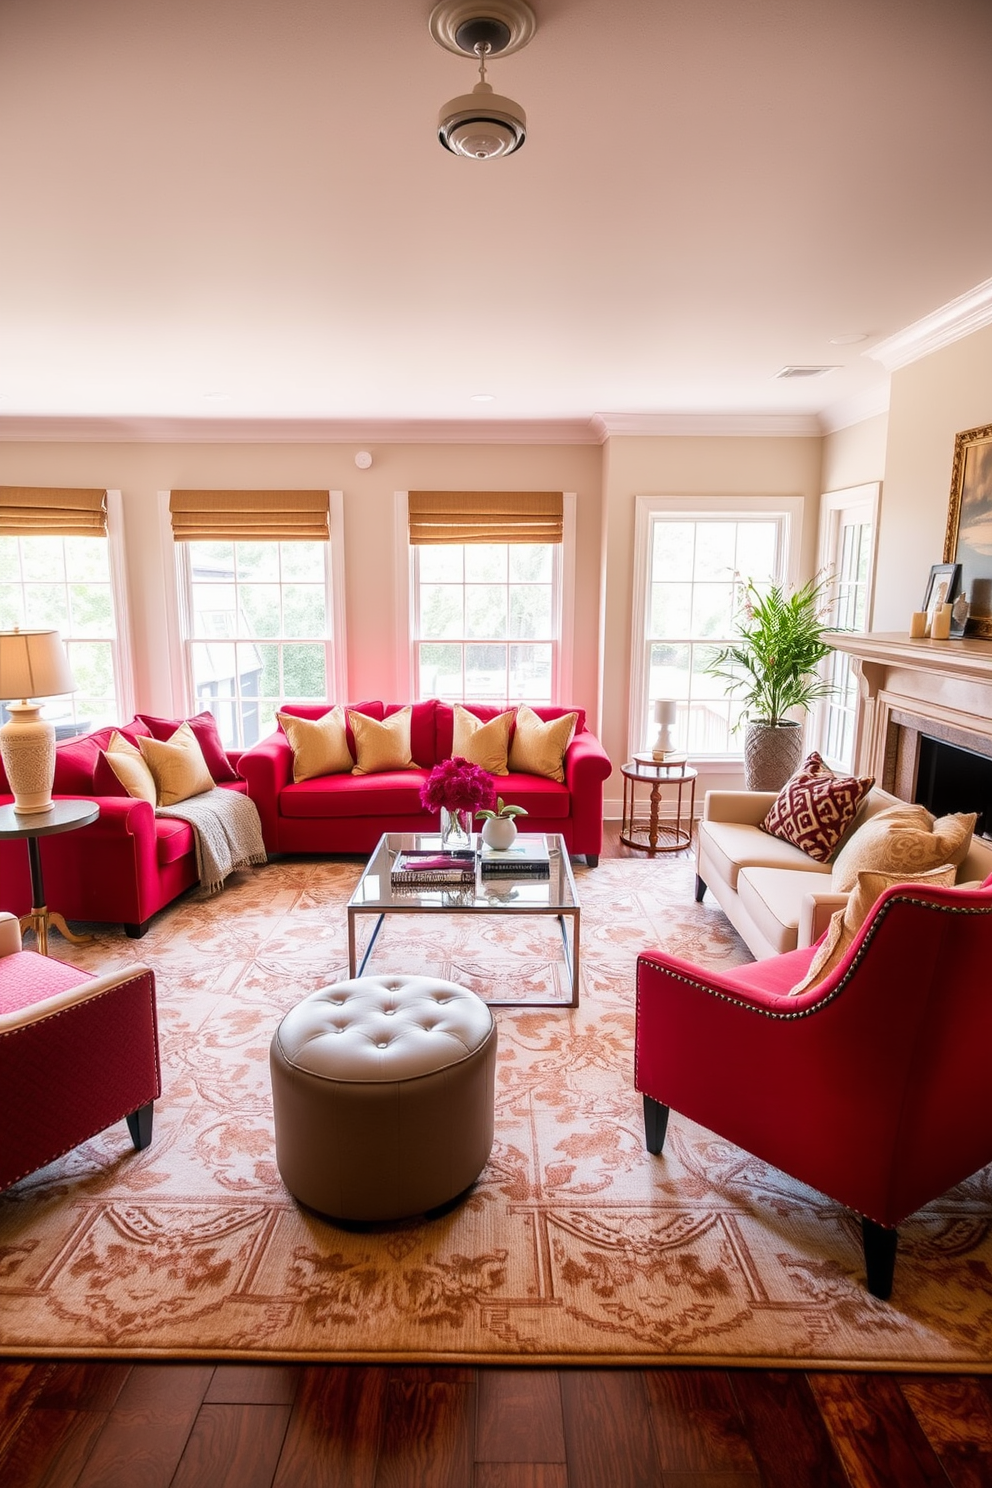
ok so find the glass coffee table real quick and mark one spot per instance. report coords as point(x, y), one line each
point(522, 894)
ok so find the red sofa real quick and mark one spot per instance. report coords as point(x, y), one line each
point(124, 867)
point(349, 813)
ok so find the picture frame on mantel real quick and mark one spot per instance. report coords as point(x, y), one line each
point(942, 588)
point(968, 540)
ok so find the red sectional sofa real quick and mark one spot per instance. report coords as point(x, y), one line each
point(124, 867)
point(349, 813)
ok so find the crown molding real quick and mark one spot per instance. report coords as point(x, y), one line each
point(867, 404)
point(747, 425)
point(297, 431)
point(969, 312)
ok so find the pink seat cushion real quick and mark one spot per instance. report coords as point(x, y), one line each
point(538, 796)
point(173, 840)
point(27, 978)
point(390, 793)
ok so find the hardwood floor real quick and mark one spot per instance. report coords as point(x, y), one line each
point(193, 1425)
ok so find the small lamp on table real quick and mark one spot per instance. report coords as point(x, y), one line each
point(33, 664)
point(664, 717)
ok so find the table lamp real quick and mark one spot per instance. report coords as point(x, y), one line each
point(33, 664)
point(664, 717)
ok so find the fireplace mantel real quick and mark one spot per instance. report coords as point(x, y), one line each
point(908, 686)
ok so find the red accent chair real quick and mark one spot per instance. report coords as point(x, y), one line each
point(77, 1053)
point(872, 1087)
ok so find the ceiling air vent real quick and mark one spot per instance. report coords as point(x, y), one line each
point(805, 371)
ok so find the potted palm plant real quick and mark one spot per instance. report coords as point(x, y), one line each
point(772, 667)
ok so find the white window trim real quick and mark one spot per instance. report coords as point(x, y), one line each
point(123, 649)
point(646, 507)
point(403, 589)
point(832, 502)
point(177, 601)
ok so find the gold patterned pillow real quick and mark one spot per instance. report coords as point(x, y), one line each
point(178, 766)
point(539, 748)
point(319, 745)
point(903, 839)
point(845, 923)
point(382, 746)
point(815, 807)
point(128, 764)
point(482, 744)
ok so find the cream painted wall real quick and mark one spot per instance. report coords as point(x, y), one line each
point(140, 471)
point(931, 401)
point(682, 466)
point(854, 456)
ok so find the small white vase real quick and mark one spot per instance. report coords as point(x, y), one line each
point(499, 832)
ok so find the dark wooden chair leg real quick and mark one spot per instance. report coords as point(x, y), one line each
point(139, 1124)
point(592, 860)
point(655, 1124)
point(880, 1257)
point(136, 931)
point(700, 889)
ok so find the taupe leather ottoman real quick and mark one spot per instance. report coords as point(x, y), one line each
point(382, 1091)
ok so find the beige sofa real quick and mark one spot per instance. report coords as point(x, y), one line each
point(776, 897)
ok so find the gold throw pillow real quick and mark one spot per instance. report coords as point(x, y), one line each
point(128, 764)
point(845, 923)
point(539, 748)
point(319, 745)
point(482, 744)
point(177, 765)
point(902, 839)
point(381, 746)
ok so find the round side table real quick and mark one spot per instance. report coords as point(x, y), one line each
point(65, 816)
point(657, 834)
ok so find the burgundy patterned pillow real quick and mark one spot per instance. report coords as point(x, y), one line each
point(815, 807)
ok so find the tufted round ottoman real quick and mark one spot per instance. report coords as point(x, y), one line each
point(382, 1090)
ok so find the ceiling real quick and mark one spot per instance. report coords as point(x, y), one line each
point(238, 209)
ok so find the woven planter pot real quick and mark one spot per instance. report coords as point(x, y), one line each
point(772, 752)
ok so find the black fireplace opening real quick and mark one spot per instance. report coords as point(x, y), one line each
point(952, 779)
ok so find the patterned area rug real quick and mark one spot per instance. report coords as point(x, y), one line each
point(575, 1247)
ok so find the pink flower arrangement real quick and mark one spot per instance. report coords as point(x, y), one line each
point(457, 786)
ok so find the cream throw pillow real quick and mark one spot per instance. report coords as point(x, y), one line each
point(539, 748)
point(319, 745)
point(482, 744)
point(902, 839)
point(128, 764)
point(382, 746)
point(177, 765)
point(845, 923)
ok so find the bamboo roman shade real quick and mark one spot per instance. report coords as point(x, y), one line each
point(485, 516)
point(249, 516)
point(52, 511)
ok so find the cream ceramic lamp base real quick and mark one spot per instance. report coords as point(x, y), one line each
point(27, 747)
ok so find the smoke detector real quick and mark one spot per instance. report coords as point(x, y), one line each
point(482, 125)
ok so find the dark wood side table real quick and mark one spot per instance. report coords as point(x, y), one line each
point(65, 816)
point(657, 834)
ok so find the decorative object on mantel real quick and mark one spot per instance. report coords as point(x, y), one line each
point(774, 665)
point(918, 625)
point(960, 611)
point(968, 539)
point(940, 625)
point(942, 586)
point(499, 828)
point(33, 664)
point(457, 789)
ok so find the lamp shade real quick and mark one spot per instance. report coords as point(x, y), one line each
point(664, 711)
point(33, 663)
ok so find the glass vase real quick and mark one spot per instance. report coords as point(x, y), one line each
point(456, 828)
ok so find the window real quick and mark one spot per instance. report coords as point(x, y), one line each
point(66, 582)
point(257, 630)
point(261, 621)
point(487, 621)
point(690, 556)
point(847, 552)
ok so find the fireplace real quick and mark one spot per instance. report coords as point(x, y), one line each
point(924, 723)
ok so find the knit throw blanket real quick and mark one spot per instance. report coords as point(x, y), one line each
point(227, 830)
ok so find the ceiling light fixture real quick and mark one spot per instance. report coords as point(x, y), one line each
point(483, 397)
point(851, 338)
point(482, 125)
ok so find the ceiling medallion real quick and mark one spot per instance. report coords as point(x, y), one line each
point(482, 125)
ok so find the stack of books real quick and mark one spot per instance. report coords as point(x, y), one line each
point(527, 858)
point(419, 867)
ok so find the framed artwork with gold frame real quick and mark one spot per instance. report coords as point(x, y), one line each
point(968, 539)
